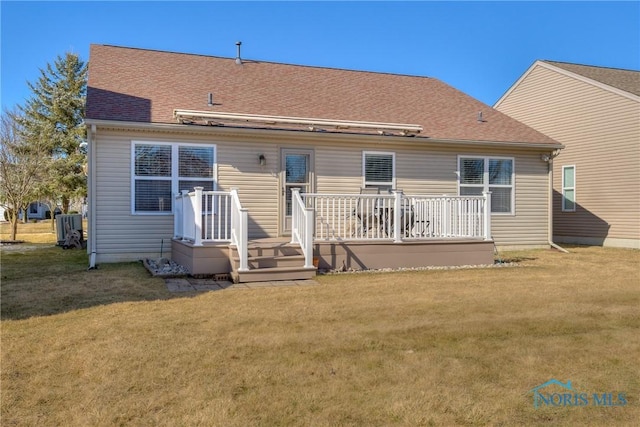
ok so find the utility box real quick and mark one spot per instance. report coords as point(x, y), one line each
point(66, 224)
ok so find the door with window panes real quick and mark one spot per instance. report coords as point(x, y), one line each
point(296, 171)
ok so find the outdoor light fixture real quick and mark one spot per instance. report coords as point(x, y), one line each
point(262, 160)
point(545, 157)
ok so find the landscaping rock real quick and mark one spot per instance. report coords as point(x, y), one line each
point(163, 267)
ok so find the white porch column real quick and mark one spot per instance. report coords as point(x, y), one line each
point(487, 214)
point(197, 212)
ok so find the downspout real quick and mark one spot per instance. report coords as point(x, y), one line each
point(550, 209)
point(91, 187)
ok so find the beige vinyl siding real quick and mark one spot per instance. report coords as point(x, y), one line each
point(119, 234)
point(338, 169)
point(433, 172)
point(238, 167)
point(601, 132)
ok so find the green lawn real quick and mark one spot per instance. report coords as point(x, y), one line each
point(444, 347)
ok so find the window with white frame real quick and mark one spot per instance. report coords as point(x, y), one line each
point(568, 188)
point(494, 174)
point(379, 169)
point(161, 170)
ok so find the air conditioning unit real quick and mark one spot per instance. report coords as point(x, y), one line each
point(66, 224)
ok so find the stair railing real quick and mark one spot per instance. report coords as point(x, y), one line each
point(239, 230)
point(302, 222)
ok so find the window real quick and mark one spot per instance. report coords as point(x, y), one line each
point(379, 169)
point(494, 174)
point(568, 188)
point(161, 170)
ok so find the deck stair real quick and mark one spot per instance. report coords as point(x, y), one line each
point(271, 260)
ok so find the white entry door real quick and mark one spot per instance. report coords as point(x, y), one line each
point(296, 171)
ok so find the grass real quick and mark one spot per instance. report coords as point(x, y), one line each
point(33, 232)
point(458, 347)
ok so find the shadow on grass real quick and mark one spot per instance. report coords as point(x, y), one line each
point(43, 280)
point(513, 259)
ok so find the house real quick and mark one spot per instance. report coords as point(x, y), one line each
point(595, 113)
point(233, 165)
point(38, 210)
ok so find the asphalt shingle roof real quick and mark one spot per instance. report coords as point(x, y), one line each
point(127, 84)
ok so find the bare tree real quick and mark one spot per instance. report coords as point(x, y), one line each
point(22, 166)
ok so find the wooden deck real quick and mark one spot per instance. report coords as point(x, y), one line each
point(278, 259)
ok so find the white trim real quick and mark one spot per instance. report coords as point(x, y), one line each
point(564, 187)
point(393, 169)
point(174, 178)
point(485, 178)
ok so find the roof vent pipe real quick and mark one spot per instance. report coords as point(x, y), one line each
point(238, 59)
point(480, 119)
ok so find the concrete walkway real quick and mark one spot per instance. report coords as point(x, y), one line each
point(201, 285)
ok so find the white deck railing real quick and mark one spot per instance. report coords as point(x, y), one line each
point(302, 226)
point(398, 217)
point(218, 216)
point(212, 216)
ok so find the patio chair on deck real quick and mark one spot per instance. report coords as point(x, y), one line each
point(407, 220)
point(366, 216)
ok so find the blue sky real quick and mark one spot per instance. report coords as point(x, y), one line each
point(480, 48)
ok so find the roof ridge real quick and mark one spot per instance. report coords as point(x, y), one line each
point(248, 60)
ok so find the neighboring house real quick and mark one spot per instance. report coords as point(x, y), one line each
point(595, 113)
point(38, 210)
point(249, 132)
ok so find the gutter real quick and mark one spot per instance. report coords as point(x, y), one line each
point(550, 208)
point(302, 135)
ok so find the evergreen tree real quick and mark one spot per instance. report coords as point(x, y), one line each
point(54, 118)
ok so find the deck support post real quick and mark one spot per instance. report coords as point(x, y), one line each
point(397, 216)
point(487, 214)
point(294, 217)
point(197, 210)
point(308, 240)
point(185, 221)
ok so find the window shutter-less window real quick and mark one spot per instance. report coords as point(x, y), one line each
point(378, 169)
point(160, 170)
point(479, 174)
point(569, 188)
point(152, 169)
